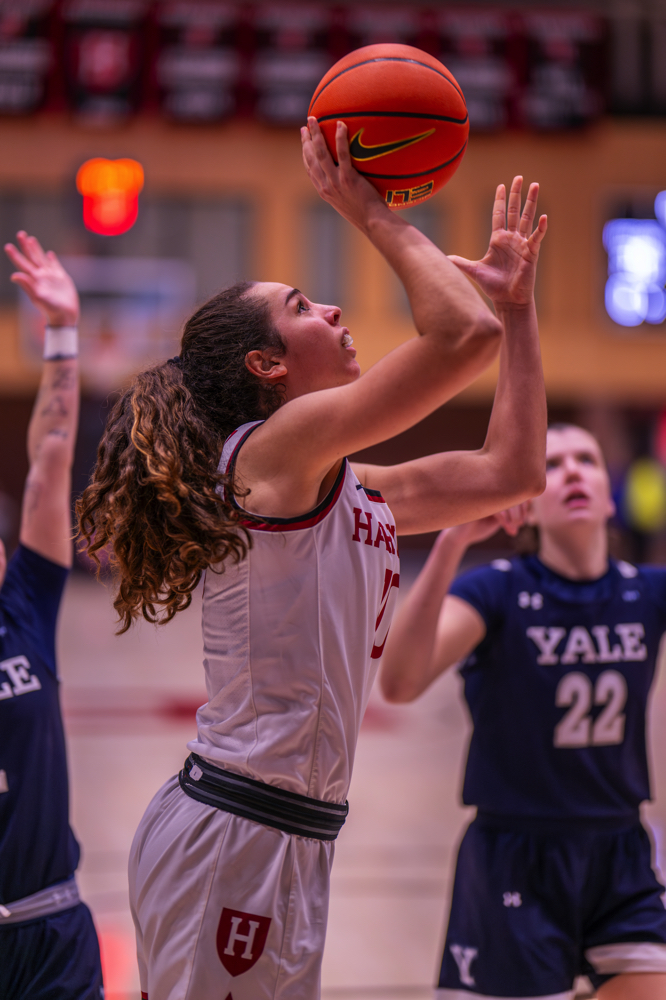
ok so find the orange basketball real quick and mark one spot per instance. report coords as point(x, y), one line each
point(406, 117)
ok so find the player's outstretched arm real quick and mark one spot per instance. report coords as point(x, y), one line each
point(453, 487)
point(432, 631)
point(45, 514)
point(459, 337)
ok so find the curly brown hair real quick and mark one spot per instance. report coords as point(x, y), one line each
point(155, 499)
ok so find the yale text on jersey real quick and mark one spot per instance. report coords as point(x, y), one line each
point(20, 680)
point(556, 645)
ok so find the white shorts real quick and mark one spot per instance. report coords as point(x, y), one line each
point(224, 907)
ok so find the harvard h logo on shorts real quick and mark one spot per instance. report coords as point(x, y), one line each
point(240, 940)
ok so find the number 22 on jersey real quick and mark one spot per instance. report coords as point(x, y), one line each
point(577, 728)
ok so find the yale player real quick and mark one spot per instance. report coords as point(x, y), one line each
point(229, 870)
point(554, 878)
point(48, 944)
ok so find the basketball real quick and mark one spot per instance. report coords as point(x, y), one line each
point(406, 116)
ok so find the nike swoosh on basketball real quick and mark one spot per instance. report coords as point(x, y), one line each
point(359, 151)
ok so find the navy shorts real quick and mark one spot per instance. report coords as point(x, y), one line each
point(53, 958)
point(532, 910)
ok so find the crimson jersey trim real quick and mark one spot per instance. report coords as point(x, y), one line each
point(317, 514)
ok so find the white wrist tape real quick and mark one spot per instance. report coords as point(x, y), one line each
point(61, 342)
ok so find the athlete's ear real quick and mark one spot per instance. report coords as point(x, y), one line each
point(611, 509)
point(265, 366)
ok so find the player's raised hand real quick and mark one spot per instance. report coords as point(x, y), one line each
point(44, 280)
point(511, 520)
point(339, 184)
point(506, 273)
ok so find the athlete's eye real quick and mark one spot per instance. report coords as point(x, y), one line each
point(552, 463)
point(301, 307)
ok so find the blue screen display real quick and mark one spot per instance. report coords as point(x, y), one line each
point(636, 251)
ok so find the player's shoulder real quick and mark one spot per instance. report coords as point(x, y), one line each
point(234, 442)
point(492, 587)
point(645, 575)
point(495, 579)
point(627, 570)
point(498, 572)
point(650, 579)
point(642, 571)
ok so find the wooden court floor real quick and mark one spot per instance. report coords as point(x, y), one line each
point(129, 705)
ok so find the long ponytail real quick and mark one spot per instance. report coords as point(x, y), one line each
point(155, 500)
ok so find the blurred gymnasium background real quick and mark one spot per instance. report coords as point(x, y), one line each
point(155, 147)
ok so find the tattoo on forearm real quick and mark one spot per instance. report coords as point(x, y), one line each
point(55, 408)
point(32, 496)
point(63, 378)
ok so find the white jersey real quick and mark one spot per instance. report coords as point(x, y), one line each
point(292, 638)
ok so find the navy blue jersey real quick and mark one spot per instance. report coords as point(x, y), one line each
point(37, 847)
point(558, 689)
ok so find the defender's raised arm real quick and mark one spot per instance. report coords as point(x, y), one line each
point(45, 515)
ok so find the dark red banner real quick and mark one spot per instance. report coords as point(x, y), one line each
point(211, 60)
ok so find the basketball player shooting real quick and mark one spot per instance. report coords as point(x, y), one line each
point(48, 943)
point(231, 457)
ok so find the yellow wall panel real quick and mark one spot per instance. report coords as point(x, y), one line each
point(586, 356)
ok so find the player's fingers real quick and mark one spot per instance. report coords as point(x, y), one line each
point(510, 523)
point(504, 518)
point(31, 247)
point(513, 518)
point(318, 142)
point(23, 281)
point(308, 149)
point(342, 146)
point(314, 168)
point(513, 206)
point(18, 259)
point(529, 210)
point(306, 144)
point(539, 233)
point(316, 138)
point(499, 208)
point(524, 509)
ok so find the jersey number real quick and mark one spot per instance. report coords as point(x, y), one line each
point(576, 728)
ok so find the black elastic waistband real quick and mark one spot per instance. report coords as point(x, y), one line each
point(286, 811)
point(558, 824)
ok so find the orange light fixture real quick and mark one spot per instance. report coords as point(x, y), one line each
point(110, 190)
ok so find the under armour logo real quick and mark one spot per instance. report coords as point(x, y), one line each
point(464, 958)
point(526, 600)
point(512, 899)
point(195, 772)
